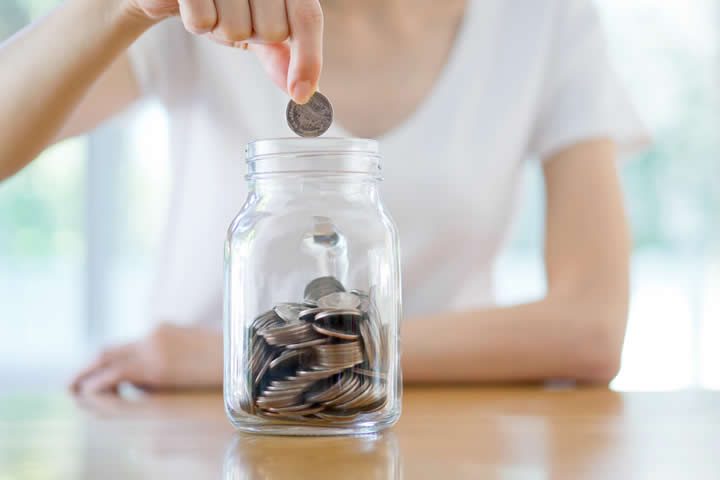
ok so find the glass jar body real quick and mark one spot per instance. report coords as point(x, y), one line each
point(312, 305)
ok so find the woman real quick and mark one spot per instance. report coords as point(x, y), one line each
point(459, 92)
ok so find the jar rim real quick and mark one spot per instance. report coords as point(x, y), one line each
point(299, 146)
point(313, 157)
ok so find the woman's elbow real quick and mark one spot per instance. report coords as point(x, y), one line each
point(601, 347)
point(599, 341)
point(599, 364)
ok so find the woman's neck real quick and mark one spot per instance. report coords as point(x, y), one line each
point(393, 20)
point(380, 60)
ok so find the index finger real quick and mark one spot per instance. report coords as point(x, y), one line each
point(305, 19)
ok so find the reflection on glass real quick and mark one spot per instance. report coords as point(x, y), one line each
point(251, 457)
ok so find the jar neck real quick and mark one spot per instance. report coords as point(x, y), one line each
point(328, 185)
point(346, 167)
point(340, 159)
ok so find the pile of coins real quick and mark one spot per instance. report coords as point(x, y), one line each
point(319, 360)
point(310, 119)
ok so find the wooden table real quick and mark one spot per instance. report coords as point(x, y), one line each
point(445, 433)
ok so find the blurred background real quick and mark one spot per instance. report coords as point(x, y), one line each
point(80, 227)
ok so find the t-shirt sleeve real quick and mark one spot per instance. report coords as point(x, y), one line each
point(582, 97)
point(161, 60)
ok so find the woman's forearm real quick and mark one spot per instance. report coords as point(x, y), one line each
point(49, 67)
point(551, 338)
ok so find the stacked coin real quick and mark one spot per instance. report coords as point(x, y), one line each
point(322, 360)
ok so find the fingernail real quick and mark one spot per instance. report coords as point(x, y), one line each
point(196, 31)
point(221, 40)
point(302, 92)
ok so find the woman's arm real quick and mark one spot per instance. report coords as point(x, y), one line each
point(111, 93)
point(53, 84)
point(577, 330)
point(49, 67)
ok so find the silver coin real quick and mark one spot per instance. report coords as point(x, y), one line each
point(311, 119)
point(338, 348)
point(278, 402)
point(274, 394)
point(284, 357)
point(308, 315)
point(362, 393)
point(328, 313)
point(340, 300)
point(310, 343)
point(271, 391)
point(346, 389)
point(370, 342)
point(335, 418)
point(322, 286)
point(271, 415)
point(289, 334)
point(293, 409)
point(329, 392)
point(290, 384)
point(378, 405)
point(244, 400)
point(324, 232)
point(370, 373)
point(310, 411)
point(317, 374)
point(330, 332)
point(348, 395)
point(339, 355)
point(364, 304)
point(289, 311)
point(260, 374)
point(265, 320)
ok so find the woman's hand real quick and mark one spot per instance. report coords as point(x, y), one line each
point(171, 357)
point(264, 24)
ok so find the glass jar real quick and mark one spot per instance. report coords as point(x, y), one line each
point(312, 293)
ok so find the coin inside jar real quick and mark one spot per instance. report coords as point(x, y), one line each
point(340, 300)
point(317, 361)
point(320, 287)
point(311, 119)
point(289, 311)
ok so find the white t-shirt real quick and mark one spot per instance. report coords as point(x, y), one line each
point(524, 79)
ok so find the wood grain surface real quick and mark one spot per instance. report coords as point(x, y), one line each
point(446, 433)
